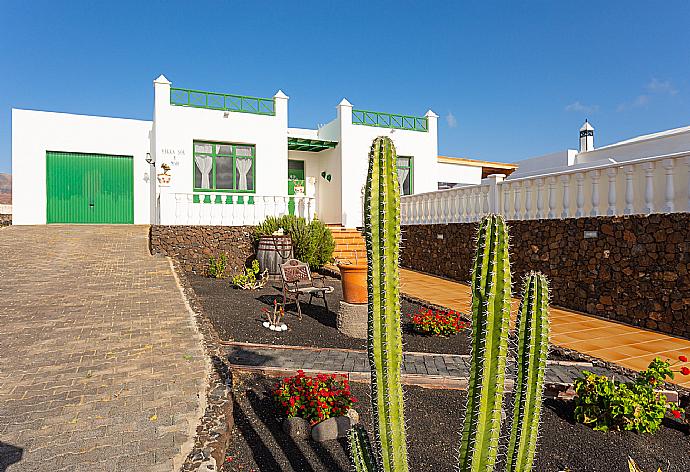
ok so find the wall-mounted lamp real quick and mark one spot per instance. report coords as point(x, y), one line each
point(149, 159)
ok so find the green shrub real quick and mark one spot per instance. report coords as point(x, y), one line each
point(311, 242)
point(248, 280)
point(606, 404)
point(217, 266)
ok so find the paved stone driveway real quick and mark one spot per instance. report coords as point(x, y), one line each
point(100, 363)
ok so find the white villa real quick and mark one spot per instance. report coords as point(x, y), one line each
point(216, 158)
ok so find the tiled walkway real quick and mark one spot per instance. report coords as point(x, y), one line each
point(100, 363)
point(433, 370)
point(624, 345)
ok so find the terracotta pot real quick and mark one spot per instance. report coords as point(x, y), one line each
point(354, 280)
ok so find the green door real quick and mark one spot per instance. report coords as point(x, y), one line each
point(89, 188)
point(295, 179)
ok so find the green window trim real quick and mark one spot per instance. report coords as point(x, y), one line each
point(217, 153)
point(390, 120)
point(410, 166)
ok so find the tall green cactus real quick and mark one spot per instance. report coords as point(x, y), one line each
point(382, 232)
point(491, 298)
point(533, 346)
point(490, 324)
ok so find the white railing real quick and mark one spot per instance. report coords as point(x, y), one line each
point(225, 209)
point(5, 209)
point(658, 184)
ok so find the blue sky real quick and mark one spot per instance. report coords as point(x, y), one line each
point(509, 79)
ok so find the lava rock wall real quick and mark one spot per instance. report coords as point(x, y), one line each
point(633, 269)
point(193, 246)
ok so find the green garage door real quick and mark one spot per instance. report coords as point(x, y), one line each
point(89, 188)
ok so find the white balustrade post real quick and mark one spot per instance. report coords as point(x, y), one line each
point(465, 206)
point(477, 202)
point(648, 187)
point(629, 195)
point(611, 173)
point(552, 197)
point(595, 193)
point(505, 189)
point(516, 200)
point(444, 203)
point(580, 198)
point(528, 199)
point(565, 180)
point(670, 190)
point(494, 194)
point(540, 198)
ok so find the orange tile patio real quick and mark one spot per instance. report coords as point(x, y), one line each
point(624, 345)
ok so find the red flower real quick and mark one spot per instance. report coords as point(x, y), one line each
point(685, 371)
point(682, 358)
point(676, 413)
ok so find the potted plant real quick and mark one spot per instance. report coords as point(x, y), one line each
point(164, 178)
point(353, 277)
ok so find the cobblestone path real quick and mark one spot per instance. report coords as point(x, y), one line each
point(435, 370)
point(100, 362)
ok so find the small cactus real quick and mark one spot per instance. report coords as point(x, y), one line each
point(490, 324)
point(533, 347)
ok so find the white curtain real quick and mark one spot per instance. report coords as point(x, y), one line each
point(243, 168)
point(204, 164)
point(402, 175)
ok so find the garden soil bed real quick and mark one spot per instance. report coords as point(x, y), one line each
point(236, 315)
point(433, 426)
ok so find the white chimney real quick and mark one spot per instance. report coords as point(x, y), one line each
point(586, 137)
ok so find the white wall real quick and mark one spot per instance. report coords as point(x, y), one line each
point(458, 174)
point(177, 127)
point(35, 132)
point(546, 163)
point(626, 151)
point(355, 143)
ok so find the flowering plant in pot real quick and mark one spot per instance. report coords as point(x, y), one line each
point(314, 398)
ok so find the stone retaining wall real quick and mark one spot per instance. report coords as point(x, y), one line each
point(5, 220)
point(192, 246)
point(636, 270)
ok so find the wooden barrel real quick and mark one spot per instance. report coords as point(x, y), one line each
point(272, 252)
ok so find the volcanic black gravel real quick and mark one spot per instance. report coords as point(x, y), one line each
point(236, 315)
point(433, 419)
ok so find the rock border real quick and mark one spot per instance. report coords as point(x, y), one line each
point(213, 433)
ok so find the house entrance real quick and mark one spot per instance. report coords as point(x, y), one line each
point(296, 182)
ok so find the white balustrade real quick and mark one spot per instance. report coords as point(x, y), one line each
point(649, 187)
point(565, 180)
point(668, 171)
point(528, 201)
point(580, 178)
point(516, 200)
point(552, 197)
point(646, 185)
point(540, 199)
point(611, 173)
point(594, 175)
point(229, 209)
point(629, 192)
